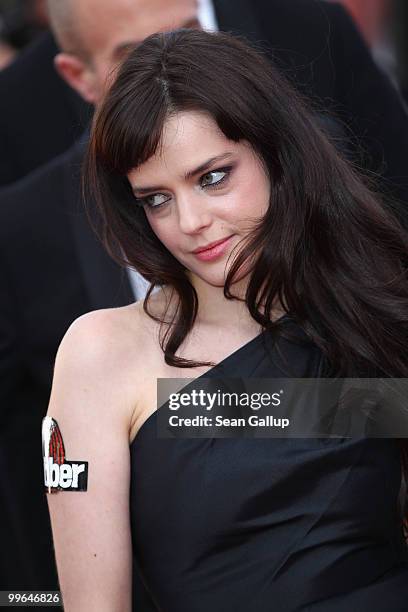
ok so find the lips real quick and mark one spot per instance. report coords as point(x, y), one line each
point(213, 250)
point(210, 246)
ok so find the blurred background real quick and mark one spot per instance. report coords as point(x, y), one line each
point(383, 23)
point(20, 22)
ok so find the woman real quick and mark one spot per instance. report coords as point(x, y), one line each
point(214, 182)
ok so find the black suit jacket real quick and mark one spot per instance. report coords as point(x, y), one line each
point(52, 271)
point(52, 268)
point(40, 116)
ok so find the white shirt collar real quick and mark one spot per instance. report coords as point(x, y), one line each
point(206, 15)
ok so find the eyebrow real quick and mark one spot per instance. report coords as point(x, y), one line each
point(189, 174)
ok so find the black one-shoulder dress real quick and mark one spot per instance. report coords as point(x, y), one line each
point(268, 525)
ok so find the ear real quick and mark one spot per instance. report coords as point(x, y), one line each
point(77, 74)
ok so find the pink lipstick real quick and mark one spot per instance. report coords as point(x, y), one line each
point(212, 250)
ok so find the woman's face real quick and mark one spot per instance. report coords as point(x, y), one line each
point(200, 192)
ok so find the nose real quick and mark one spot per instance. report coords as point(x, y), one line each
point(193, 213)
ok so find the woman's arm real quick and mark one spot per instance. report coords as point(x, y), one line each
point(91, 529)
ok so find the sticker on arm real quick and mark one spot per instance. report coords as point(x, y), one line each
point(59, 473)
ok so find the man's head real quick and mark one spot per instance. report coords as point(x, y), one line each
point(94, 35)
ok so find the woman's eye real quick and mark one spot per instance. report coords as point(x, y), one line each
point(153, 201)
point(215, 177)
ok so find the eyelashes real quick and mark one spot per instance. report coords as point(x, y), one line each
point(224, 172)
point(155, 200)
point(212, 180)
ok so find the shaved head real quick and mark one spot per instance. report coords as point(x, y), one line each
point(64, 23)
point(96, 35)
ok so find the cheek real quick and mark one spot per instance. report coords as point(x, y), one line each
point(164, 231)
point(262, 193)
point(264, 196)
point(253, 197)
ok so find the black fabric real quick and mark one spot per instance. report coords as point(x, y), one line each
point(238, 524)
point(40, 115)
point(53, 269)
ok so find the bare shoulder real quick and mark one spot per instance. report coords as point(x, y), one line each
point(99, 334)
point(110, 353)
point(108, 339)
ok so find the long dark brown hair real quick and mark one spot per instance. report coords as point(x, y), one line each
point(327, 248)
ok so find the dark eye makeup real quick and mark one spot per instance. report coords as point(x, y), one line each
point(213, 179)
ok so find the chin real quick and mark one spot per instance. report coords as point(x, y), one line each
point(215, 279)
point(214, 282)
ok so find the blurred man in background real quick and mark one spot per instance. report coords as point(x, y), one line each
point(40, 115)
point(49, 258)
point(21, 21)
